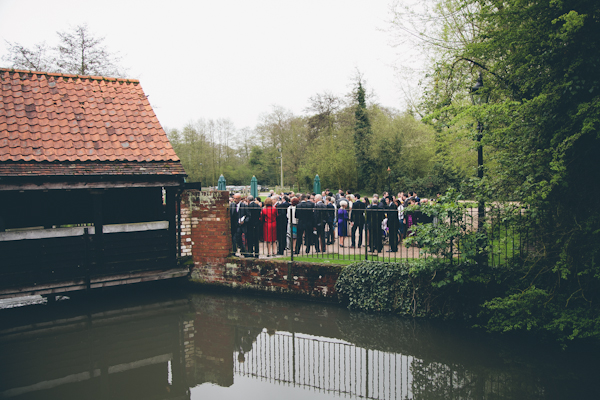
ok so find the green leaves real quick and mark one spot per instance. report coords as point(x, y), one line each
point(572, 22)
point(423, 288)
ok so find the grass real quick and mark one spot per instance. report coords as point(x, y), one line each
point(321, 260)
point(337, 259)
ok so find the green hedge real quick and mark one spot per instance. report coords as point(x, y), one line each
point(425, 288)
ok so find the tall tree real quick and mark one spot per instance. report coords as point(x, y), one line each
point(78, 52)
point(323, 108)
point(539, 59)
point(363, 136)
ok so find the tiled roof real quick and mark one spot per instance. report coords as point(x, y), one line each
point(48, 117)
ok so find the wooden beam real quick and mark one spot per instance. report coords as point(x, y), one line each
point(105, 281)
point(18, 186)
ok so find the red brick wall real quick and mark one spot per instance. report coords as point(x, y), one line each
point(206, 236)
point(205, 228)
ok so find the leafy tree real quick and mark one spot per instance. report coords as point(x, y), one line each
point(78, 52)
point(539, 61)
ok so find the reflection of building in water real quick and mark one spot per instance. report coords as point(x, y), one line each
point(118, 354)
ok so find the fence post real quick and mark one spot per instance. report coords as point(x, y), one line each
point(451, 243)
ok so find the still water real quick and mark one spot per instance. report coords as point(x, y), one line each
point(168, 342)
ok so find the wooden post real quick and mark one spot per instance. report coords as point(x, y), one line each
point(98, 226)
point(172, 199)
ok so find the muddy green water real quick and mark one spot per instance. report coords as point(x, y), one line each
point(166, 342)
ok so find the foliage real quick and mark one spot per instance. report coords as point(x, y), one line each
point(321, 143)
point(424, 287)
point(375, 286)
point(450, 228)
point(540, 138)
point(207, 149)
point(77, 52)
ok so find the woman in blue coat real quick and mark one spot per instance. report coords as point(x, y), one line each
point(342, 222)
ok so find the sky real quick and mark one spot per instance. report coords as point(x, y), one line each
point(234, 59)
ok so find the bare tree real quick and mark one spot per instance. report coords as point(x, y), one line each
point(82, 53)
point(37, 58)
point(79, 52)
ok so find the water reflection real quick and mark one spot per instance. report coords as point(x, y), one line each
point(204, 346)
point(326, 365)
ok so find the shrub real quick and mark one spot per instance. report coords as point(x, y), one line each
point(420, 288)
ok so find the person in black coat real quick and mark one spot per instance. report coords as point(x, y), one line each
point(305, 217)
point(281, 221)
point(237, 212)
point(374, 218)
point(357, 220)
point(252, 223)
point(329, 220)
point(393, 222)
point(320, 219)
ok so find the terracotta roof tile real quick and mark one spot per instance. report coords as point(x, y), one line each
point(58, 116)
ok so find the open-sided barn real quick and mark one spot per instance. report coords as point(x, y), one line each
point(89, 184)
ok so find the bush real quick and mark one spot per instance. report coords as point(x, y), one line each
point(420, 288)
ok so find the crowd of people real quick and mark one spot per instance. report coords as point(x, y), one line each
point(288, 221)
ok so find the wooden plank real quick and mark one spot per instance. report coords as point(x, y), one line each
point(97, 282)
point(89, 185)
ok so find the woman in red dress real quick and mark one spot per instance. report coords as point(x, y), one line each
point(267, 217)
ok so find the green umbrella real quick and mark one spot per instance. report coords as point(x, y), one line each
point(221, 185)
point(317, 185)
point(254, 187)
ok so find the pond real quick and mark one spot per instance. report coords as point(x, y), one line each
point(171, 342)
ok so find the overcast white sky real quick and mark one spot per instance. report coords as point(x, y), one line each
point(230, 58)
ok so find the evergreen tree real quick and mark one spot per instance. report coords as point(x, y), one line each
point(363, 135)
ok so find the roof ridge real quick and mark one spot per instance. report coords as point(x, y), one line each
point(57, 74)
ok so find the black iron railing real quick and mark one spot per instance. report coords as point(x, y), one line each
point(373, 237)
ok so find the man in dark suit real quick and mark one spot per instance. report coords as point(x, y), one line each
point(252, 234)
point(305, 217)
point(330, 219)
point(282, 224)
point(357, 220)
point(374, 218)
point(392, 214)
point(320, 220)
point(237, 212)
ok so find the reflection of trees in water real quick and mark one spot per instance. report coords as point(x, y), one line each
point(448, 362)
point(433, 380)
point(244, 340)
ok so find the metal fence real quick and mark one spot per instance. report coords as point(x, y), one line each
point(507, 237)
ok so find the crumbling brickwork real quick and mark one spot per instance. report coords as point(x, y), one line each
point(206, 236)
